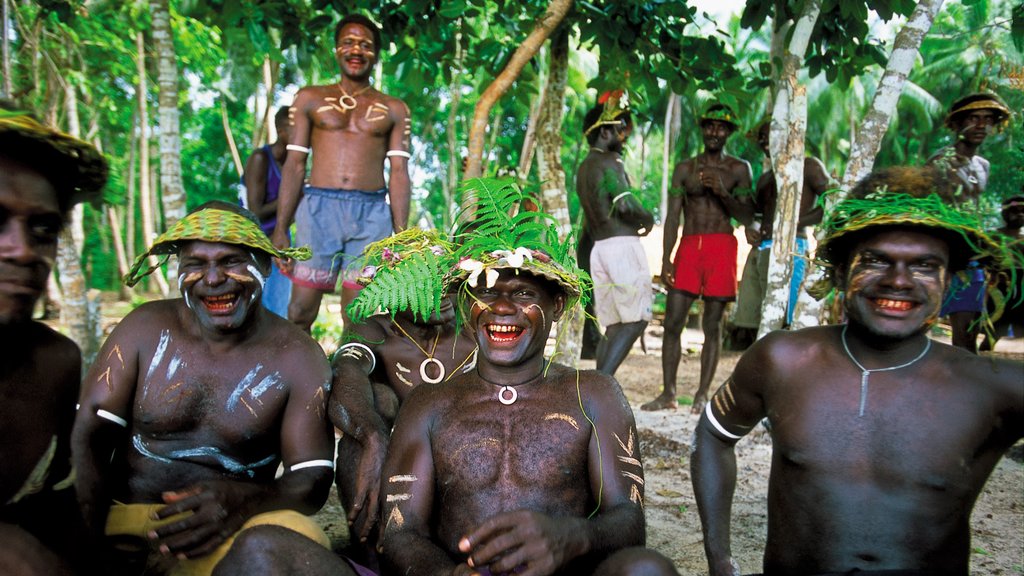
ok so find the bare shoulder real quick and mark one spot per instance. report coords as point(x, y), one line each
point(150, 317)
point(61, 355)
point(783, 355)
point(1002, 377)
point(394, 103)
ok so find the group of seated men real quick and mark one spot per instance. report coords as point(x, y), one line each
point(204, 434)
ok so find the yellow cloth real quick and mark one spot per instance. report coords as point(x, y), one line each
point(137, 520)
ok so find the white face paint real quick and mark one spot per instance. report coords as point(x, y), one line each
point(181, 279)
point(260, 278)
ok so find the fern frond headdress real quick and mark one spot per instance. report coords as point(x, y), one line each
point(407, 271)
point(616, 103)
point(496, 238)
point(980, 101)
point(210, 224)
point(720, 112)
point(76, 168)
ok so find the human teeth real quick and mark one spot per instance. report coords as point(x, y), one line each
point(895, 304)
point(503, 328)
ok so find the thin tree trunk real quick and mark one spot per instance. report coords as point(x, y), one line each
point(129, 204)
point(554, 197)
point(554, 14)
point(868, 139)
point(530, 138)
point(6, 50)
point(789, 128)
point(491, 140)
point(171, 189)
point(673, 124)
point(145, 194)
point(454, 160)
point(235, 156)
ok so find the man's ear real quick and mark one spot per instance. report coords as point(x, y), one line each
point(559, 300)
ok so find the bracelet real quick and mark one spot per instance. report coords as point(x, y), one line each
point(358, 351)
point(112, 417)
point(312, 464)
point(298, 148)
point(401, 153)
point(620, 196)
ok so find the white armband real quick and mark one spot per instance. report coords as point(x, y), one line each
point(312, 464)
point(714, 422)
point(298, 148)
point(621, 196)
point(401, 153)
point(358, 350)
point(112, 417)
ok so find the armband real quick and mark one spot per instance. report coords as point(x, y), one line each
point(358, 351)
point(714, 422)
point(112, 417)
point(312, 464)
point(298, 148)
point(621, 196)
point(401, 153)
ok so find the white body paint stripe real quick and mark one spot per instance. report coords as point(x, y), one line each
point(403, 478)
point(714, 422)
point(399, 497)
point(312, 464)
point(112, 417)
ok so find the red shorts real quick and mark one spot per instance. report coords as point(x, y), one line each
point(706, 266)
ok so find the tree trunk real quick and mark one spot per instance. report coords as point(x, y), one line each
point(788, 130)
point(868, 138)
point(554, 198)
point(6, 50)
point(673, 124)
point(129, 203)
point(554, 14)
point(171, 189)
point(230, 136)
point(145, 194)
point(530, 138)
point(455, 164)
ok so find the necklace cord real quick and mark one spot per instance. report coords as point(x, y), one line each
point(866, 373)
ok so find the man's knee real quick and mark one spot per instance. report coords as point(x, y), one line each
point(268, 549)
point(21, 554)
point(636, 561)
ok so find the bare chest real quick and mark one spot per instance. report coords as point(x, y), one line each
point(341, 112)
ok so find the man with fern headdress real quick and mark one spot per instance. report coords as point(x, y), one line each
point(615, 220)
point(402, 332)
point(43, 173)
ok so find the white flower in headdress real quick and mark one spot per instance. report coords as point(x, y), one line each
point(514, 258)
point(474, 267)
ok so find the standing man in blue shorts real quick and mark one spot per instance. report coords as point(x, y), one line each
point(353, 128)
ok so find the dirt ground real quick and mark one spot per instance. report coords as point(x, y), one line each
point(673, 526)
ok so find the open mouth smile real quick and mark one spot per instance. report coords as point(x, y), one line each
point(222, 304)
point(503, 332)
point(888, 305)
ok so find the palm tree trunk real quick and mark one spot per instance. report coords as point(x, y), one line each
point(145, 194)
point(171, 189)
point(673, 124)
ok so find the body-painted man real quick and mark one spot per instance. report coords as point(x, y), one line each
point(712, 188)
point(881, 438)
point(350, 128)
point(1011, 321)
point(615, 220)
point(262, 179)
point(43, 172)
point(385, 356)
point(754, 283)
point(193, 403)
point(971, 119)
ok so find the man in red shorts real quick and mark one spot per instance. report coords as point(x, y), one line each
point(712, 188)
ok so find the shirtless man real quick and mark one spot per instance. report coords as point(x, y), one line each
point(882, 438)
point(615, 220)
point(1011, 233)
point(42, 173)
point(382, 360)
point(754, 284)
point(713, 188)
point(193, 403)
point(262, 179)
point(350, 128)
point(971, 119)
point(520, 466)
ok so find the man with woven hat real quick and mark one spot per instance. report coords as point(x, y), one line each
point(193, 403)
point(971, 119)
point(881, 438)
point(712, 188)
point(391, 345)
point(350, 129)
point(43, 172)
point(615, 220)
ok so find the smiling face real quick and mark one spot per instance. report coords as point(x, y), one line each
point(715, 133)
point(30, 221)
point(355, 51)
point(895, 281)
point(221, 283)
point(512, 319)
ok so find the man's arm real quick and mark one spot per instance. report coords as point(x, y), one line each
point(351, 410)
point(737, 200)
point(255, 179)
point(673, 211)
point(816, 181)
point(219, 508)
point(408, 485)
point(732, 413)
point(399, 149)
point(104, 420)
point(546, 545)
point(294, 170)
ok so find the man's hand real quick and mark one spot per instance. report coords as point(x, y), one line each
point(712, 180)
point(529, 543)
point(668, 275)
point(218, 510)
point(366, 501)
point(753, 235)
point(280, 241)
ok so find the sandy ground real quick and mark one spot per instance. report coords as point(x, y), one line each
point(673, 526)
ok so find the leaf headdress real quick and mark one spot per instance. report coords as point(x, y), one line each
point(407, 271)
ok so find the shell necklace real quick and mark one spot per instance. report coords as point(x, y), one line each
point(865, 373)
point(430, 357)
point(348, 101)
